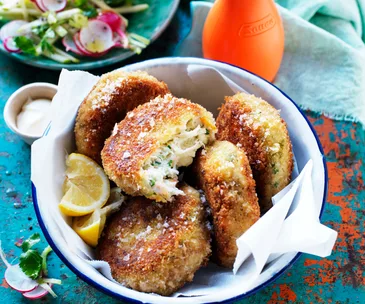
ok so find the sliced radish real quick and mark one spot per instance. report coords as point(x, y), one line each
point(82, 49)
point(117, 25)
point(40, 5)
point(114, 20)
point(37, 293)
point(70, 45)
point(97, 36)
point(18, 280)
point(54, 5)
point(10, 29)
point(10, 45)
point(120, 41)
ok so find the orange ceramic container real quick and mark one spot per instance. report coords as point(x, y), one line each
point(245, 33)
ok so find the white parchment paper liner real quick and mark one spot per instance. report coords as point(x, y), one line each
point(291, 225)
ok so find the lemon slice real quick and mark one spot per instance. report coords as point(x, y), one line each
point(90, 227)
point(86, 187)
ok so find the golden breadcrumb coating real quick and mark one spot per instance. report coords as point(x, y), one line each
point(114, 95)
point(154, 247)
point(146, 148)
point(223, 172)
point(256, 126)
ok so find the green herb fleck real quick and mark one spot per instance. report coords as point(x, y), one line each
point(276, 184)
point(231, 158)
point(275, 170)
point(168, 146)
point(152, 182)
point(206, 132)
point(31, 263)
point(156, 163)
point(25, 44)
point(170, 163)
point(31, 241)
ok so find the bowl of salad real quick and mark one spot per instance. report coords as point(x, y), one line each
point(80, 34)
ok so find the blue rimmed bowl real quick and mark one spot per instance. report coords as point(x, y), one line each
point(174, 72)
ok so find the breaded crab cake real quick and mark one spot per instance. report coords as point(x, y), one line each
point(223, 172)
point(147, 147)
point(154, 247)
point(114, 95)
point(256, 126)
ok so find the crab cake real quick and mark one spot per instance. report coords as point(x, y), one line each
point(147, 147)
point(257, 127)
point(224, 174)
point(114, 95)
point(154, 247)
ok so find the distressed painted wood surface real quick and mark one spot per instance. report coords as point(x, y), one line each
point(337, 279)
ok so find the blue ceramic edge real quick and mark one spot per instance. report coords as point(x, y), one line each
point(240, 297)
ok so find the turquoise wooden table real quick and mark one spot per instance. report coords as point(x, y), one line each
point(337, 279)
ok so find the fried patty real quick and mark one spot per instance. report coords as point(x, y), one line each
point(146, 148)
point(114, 95)
point(153, 247)
point(223, 172)
point(256, 126)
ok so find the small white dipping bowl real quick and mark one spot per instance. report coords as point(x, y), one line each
point(173, 71)
point(16, 101)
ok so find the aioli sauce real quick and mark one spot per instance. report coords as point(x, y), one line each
point(34, 117)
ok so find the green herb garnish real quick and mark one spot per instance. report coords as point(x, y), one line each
point(31, 241)
point(152, 182)
point(25, 44)
point(31, 263)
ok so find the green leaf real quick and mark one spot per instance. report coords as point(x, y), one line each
point(90, 11)
point(31, 241)
point(80, 3)
point(25, 44)
point(31, 263)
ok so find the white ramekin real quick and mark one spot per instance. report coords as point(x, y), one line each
point(16, 101)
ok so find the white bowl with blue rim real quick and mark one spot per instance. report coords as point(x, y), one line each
point(172, 70)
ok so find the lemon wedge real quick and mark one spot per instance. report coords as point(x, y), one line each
point(89, 227)
point(86, 187)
